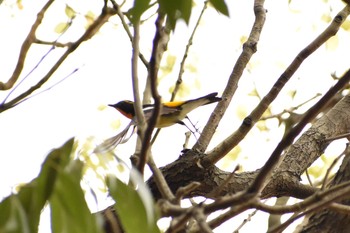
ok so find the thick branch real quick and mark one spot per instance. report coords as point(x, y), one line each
point(249, 48)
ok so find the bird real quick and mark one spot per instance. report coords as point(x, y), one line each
point(171, 113)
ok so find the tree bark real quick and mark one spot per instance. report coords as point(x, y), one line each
point(329, 220)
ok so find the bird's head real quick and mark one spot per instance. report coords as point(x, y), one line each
point(125, 107)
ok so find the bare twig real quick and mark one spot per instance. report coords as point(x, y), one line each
point(326, 177)
point(183, 61)
point(346, 135)
point(50, 87)
point(126, 28)
point(291, 110)
point(248, 219)
point(308, 177)
point(27, 75)
point(53, 43)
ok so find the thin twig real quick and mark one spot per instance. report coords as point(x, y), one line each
point(53, 43)
point(27, 75)
point(183, 61)
point(245, 221)
point(50, 87)
point(126, 28)
point(291, 110)
point(308, 177)
point(325, 179)
point(337, 137)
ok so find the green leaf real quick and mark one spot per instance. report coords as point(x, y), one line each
point(69, 211)
point(13, 216)
point(134, 207)
point(61, 27)
point(23, 209)
point(220, 5)
point(346, 25)
point(140, 6)
point(174, 10)
point(89, 16)
point(69, 11)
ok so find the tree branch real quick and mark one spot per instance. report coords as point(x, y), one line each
point(184, 58)
point(90, 32)
point(25, 48)
point(228, 144)
point(153, 76)
point(127, 30)
point(249, 48)
point(267, 169)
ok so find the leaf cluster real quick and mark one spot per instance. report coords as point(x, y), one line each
point(173, 10)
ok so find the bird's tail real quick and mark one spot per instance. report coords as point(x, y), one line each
point(110, 143)
point(211, 98)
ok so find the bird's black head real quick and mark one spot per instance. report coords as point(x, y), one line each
point(125, 107)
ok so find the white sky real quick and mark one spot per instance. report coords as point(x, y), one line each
point(30, 130)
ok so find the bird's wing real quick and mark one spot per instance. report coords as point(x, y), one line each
point(166, 110)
